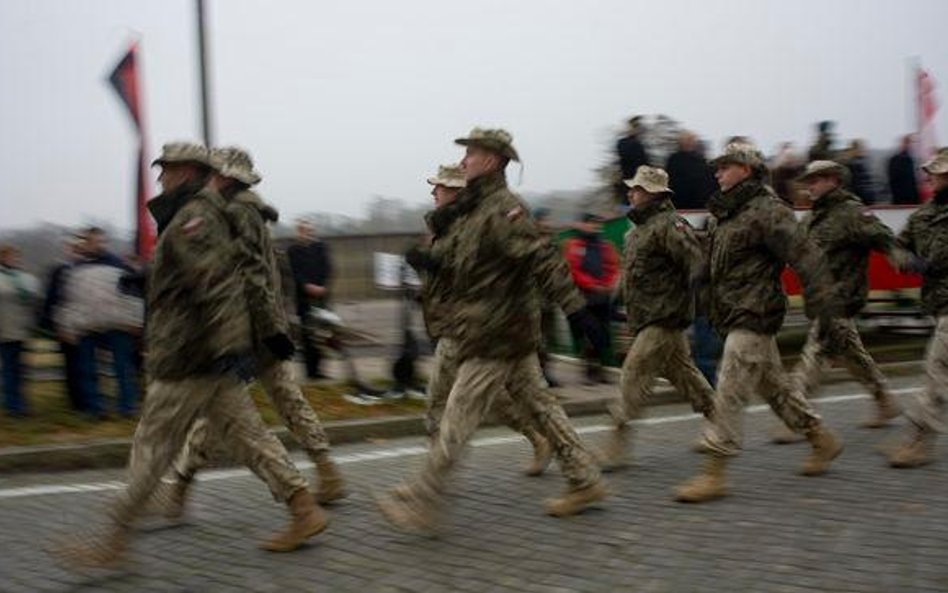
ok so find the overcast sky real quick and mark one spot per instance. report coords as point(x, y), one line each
point(342, 101)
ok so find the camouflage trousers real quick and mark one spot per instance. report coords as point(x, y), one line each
point(443, 376)
point(478, 381)
point(751, 364)
point(928, 413)
point(170, 410)
point(659, 352)
point(842, 343)
point(299, 417)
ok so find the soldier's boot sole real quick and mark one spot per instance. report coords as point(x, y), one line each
point(92, 553)
point(542, 456)
point(576, 500)
point(614, 456)
point(307, 520)
point(886, 410)
point(709, 485)
point(331, 485)
point(784, 436)
point(915, 453)
point(826, 448)
point(406, 514)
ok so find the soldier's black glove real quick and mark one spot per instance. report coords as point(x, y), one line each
point(915, 265)
point(582, 322)
point(281, 346)
point(242, 365)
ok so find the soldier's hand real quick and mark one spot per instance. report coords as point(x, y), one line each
point(281, 346)
point(582, 322)
point(915, 265)
point(241, 365)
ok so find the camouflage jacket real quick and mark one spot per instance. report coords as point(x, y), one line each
point(847, 232)
point(926, 235)
point(662, 257)
point(435, 277)
point(752, 236)
point(496, 259)
point(257, 261)
point(196, 309)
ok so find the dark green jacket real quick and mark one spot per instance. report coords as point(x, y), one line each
point(847, 232)
point(926, 235)
point(661, 261)
point(753, 235)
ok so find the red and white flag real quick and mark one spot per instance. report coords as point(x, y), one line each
point(124, 78)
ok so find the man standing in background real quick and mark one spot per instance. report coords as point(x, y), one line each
point(312, 270)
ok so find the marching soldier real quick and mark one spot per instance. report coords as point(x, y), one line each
point(662, 259)
point(753, 235)
point(248, 215)
point(494, 254)
point(846, 231)
point(200, 343)
point(446, 185)
point(926, 236)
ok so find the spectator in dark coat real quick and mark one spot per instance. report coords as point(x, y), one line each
point(689, 175)
point(632, 153)
point(312, 271)
point(903, 181)
point(54, 297)
point(861, 182)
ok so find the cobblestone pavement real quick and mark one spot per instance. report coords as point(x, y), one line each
point(862, 527)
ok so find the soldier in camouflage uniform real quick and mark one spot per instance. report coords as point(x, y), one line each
point(753, 235)
point(446, 185)
point(199, 340)
point(491, 257)
point(248, 216)
point(662, 259)
point(926, 236)
point(846, 231)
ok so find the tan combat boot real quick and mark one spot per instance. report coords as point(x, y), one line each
point(100, 551)
point(614, 455)
point(708, 485)
point(782, 435)
point(306, 520)
point(916, 452)
point(886, 409)
point(170, 499)
point(331, 486)
point(542, 453)
point(826, 447)
point(403, 509)
point(575, 500)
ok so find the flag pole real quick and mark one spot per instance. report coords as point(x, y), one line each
point(202, 63)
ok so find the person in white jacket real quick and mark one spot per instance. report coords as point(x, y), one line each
point(19, 295)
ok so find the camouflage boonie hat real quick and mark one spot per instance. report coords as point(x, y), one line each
point(234, 163)
point(824, 169)
point(652, 179)
point(448, 176)
point(740, 153)
point(494, 140)
point(182, 152)
point(938, 164)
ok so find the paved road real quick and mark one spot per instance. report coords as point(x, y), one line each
point(863, 527)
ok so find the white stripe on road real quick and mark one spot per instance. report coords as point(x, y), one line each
point(228, 474)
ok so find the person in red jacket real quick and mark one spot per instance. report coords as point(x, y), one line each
point(594, 263)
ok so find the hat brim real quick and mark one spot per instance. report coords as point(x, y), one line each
point(160, 162)
point(245, 177)
point(933, 168)
point(452, 183)
point(650, 188)
point(496, 147)
point(838, 172)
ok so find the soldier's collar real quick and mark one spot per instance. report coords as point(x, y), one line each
point(832, 198)
point(487, 184)
point(642, 214)
point(726, 204)
point(941, 197)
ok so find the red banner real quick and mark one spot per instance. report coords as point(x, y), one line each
point(125, 80)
